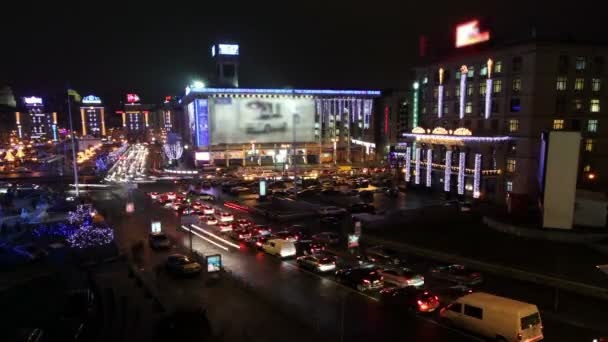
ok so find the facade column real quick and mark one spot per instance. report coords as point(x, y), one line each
point(429, 166)
point(447, 178)
point(461, 171)
point(417, 175)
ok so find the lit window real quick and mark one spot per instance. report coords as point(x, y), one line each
point(580, 63)
point(595, 106)
point(509, 186)
point(587, 168)
point(511, 165)
point(595, 84)
point(484, 70)
point(482, 88)
point(592, 126)
point(497, 86)
point(579, 84)
point(468, 108)
point(578, 105)
point(435, 109)
point(588, 145)
point(561, 83)
point(513, 125)
point(498, 67)
point(458, 74)
point(435, 92)
point(469, 89)
point(457, 91)
point(558, 124)
point(516, 85)
point(445, 108)
point(471, 72)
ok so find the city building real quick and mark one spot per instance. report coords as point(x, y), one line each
point(8, 107)
point(391, 123)
point(135, 118)
point(33, 121)
point(92, 117)
point(270, 126)
point(479, 111)
point(226, 57)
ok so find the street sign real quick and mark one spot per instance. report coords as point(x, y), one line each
point(155, 227)
point(214, 263)
point(353, 240)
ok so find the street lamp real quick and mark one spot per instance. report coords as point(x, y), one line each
point(335, 141)
point(198, 84)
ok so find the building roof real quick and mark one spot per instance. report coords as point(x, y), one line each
point(292, 92)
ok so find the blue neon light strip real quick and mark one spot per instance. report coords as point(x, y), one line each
point(285, 91)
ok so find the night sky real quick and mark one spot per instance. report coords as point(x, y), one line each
point(156, 50)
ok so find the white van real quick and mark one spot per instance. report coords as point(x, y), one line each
point(279, 247)
point(499, 318)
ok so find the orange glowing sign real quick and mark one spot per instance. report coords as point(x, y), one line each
point(468, 34)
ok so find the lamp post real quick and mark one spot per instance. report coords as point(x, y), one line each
point(335, 141)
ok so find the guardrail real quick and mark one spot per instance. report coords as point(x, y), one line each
point(545, 280)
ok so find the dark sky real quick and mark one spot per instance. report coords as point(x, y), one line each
point(156, 50)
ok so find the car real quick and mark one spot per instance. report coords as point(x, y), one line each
point(279, 247)
point(159, 241)
point(266, 122)
point(410, 298)
point(330, 210)
point(402, 277)
point(260, 230)
point(180, 264)
point(382, 255)
point(153, 195)
point(300, 231)
point(285, 235)
point(363, 279)
point(177, 205)
point(31, 252)
point(451, 293)
point(225, 227)
point(358, 208)
point(226, 217)
point(236, 190)
point(171, 196)
point(244, 223)
point(207, 210)
point(208, 219)
point(327, 238)
point(206, 197)
point(456, 273)
point(259, 241)
point(240, 234)
point(309, 248)
point(330, 221)
point(318, 263)
point(188, 210)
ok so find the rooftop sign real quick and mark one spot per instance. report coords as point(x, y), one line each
point(91, 99)
point(468, 34)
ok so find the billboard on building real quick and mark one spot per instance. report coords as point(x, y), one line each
point(560, 179)
point(259, 119)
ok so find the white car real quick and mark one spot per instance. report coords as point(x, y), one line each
point(209, 220)
point(225, 227)
point(208, 210)
point(226, 217)
point(266, 123)
point(401, 277)
point(171, 195)
point(331, 211)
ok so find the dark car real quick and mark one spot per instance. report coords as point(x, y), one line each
point(183, 265)
point(358, 208)
point(382, 255)
point(327, 238)
point(308, 248)
point(302, 232)
point(457, 274)
point(363, 279)
point(410, 298)
point(330, 221)
point(159, 241)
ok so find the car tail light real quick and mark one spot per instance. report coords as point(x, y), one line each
point(366, 281)
point(436, 298)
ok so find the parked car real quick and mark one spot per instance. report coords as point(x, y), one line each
point(31, 252)
point(382, 255)
point(330, 210)
point(451, 293)
point(363, 279)
point(318, 263)
point(410, 298)
point(159, 241)
point(401, 277)
point(300, 231)
point(327, 238)
point(180, 264)
point(457, 274)
point(279, 247)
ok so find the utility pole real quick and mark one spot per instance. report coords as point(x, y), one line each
point(73, 147)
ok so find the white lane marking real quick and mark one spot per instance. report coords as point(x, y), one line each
point(216, 237)
point(206, 239)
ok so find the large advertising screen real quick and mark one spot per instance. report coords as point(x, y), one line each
point(263, 120)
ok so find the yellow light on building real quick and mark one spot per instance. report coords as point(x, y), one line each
point(18, 118)
point(55, 118)
point(84, 124)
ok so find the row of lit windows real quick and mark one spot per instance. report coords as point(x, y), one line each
point(558, 124)
point(579, 84)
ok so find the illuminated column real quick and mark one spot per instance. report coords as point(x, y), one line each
point(489, 90)
point(440, 94)
point(54, 126)
point(124, 119)
point(103, 122)
point(429, 167)
point(477, 175)
point(463, 88)
point(417, 175)
point(18, 122)
point(146, 118)
point(408, 163)
point(83, 121)
point(415, 105)
point(461, 166)
point(448, 171)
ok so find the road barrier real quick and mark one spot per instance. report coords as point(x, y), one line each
point(545, 280)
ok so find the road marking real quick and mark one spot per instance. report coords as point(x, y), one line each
point(216, 237)
point(206, 239)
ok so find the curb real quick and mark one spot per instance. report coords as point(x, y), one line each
point(545, 280)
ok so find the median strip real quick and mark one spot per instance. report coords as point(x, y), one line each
point(215, 236)
point(206, 239)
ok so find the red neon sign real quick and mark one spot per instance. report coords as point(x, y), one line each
point(132, 98)
point(468, 34)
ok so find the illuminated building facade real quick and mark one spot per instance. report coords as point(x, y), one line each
point(261, 125)
point(35, 122)
point(135, 118)
point(92, 117)
point(482, 111)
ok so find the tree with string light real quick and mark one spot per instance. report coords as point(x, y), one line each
point(173, 151)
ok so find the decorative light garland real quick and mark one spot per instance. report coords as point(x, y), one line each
point(476, 177)
point(461, 164)
point(488, 98)
point(429, 168)
point(453, 138)
point(417, 175)
point(408, 163)
point(463, 85)
point(448, 171)
point(440, 101)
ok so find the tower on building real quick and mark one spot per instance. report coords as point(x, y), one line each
point(226, 58)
